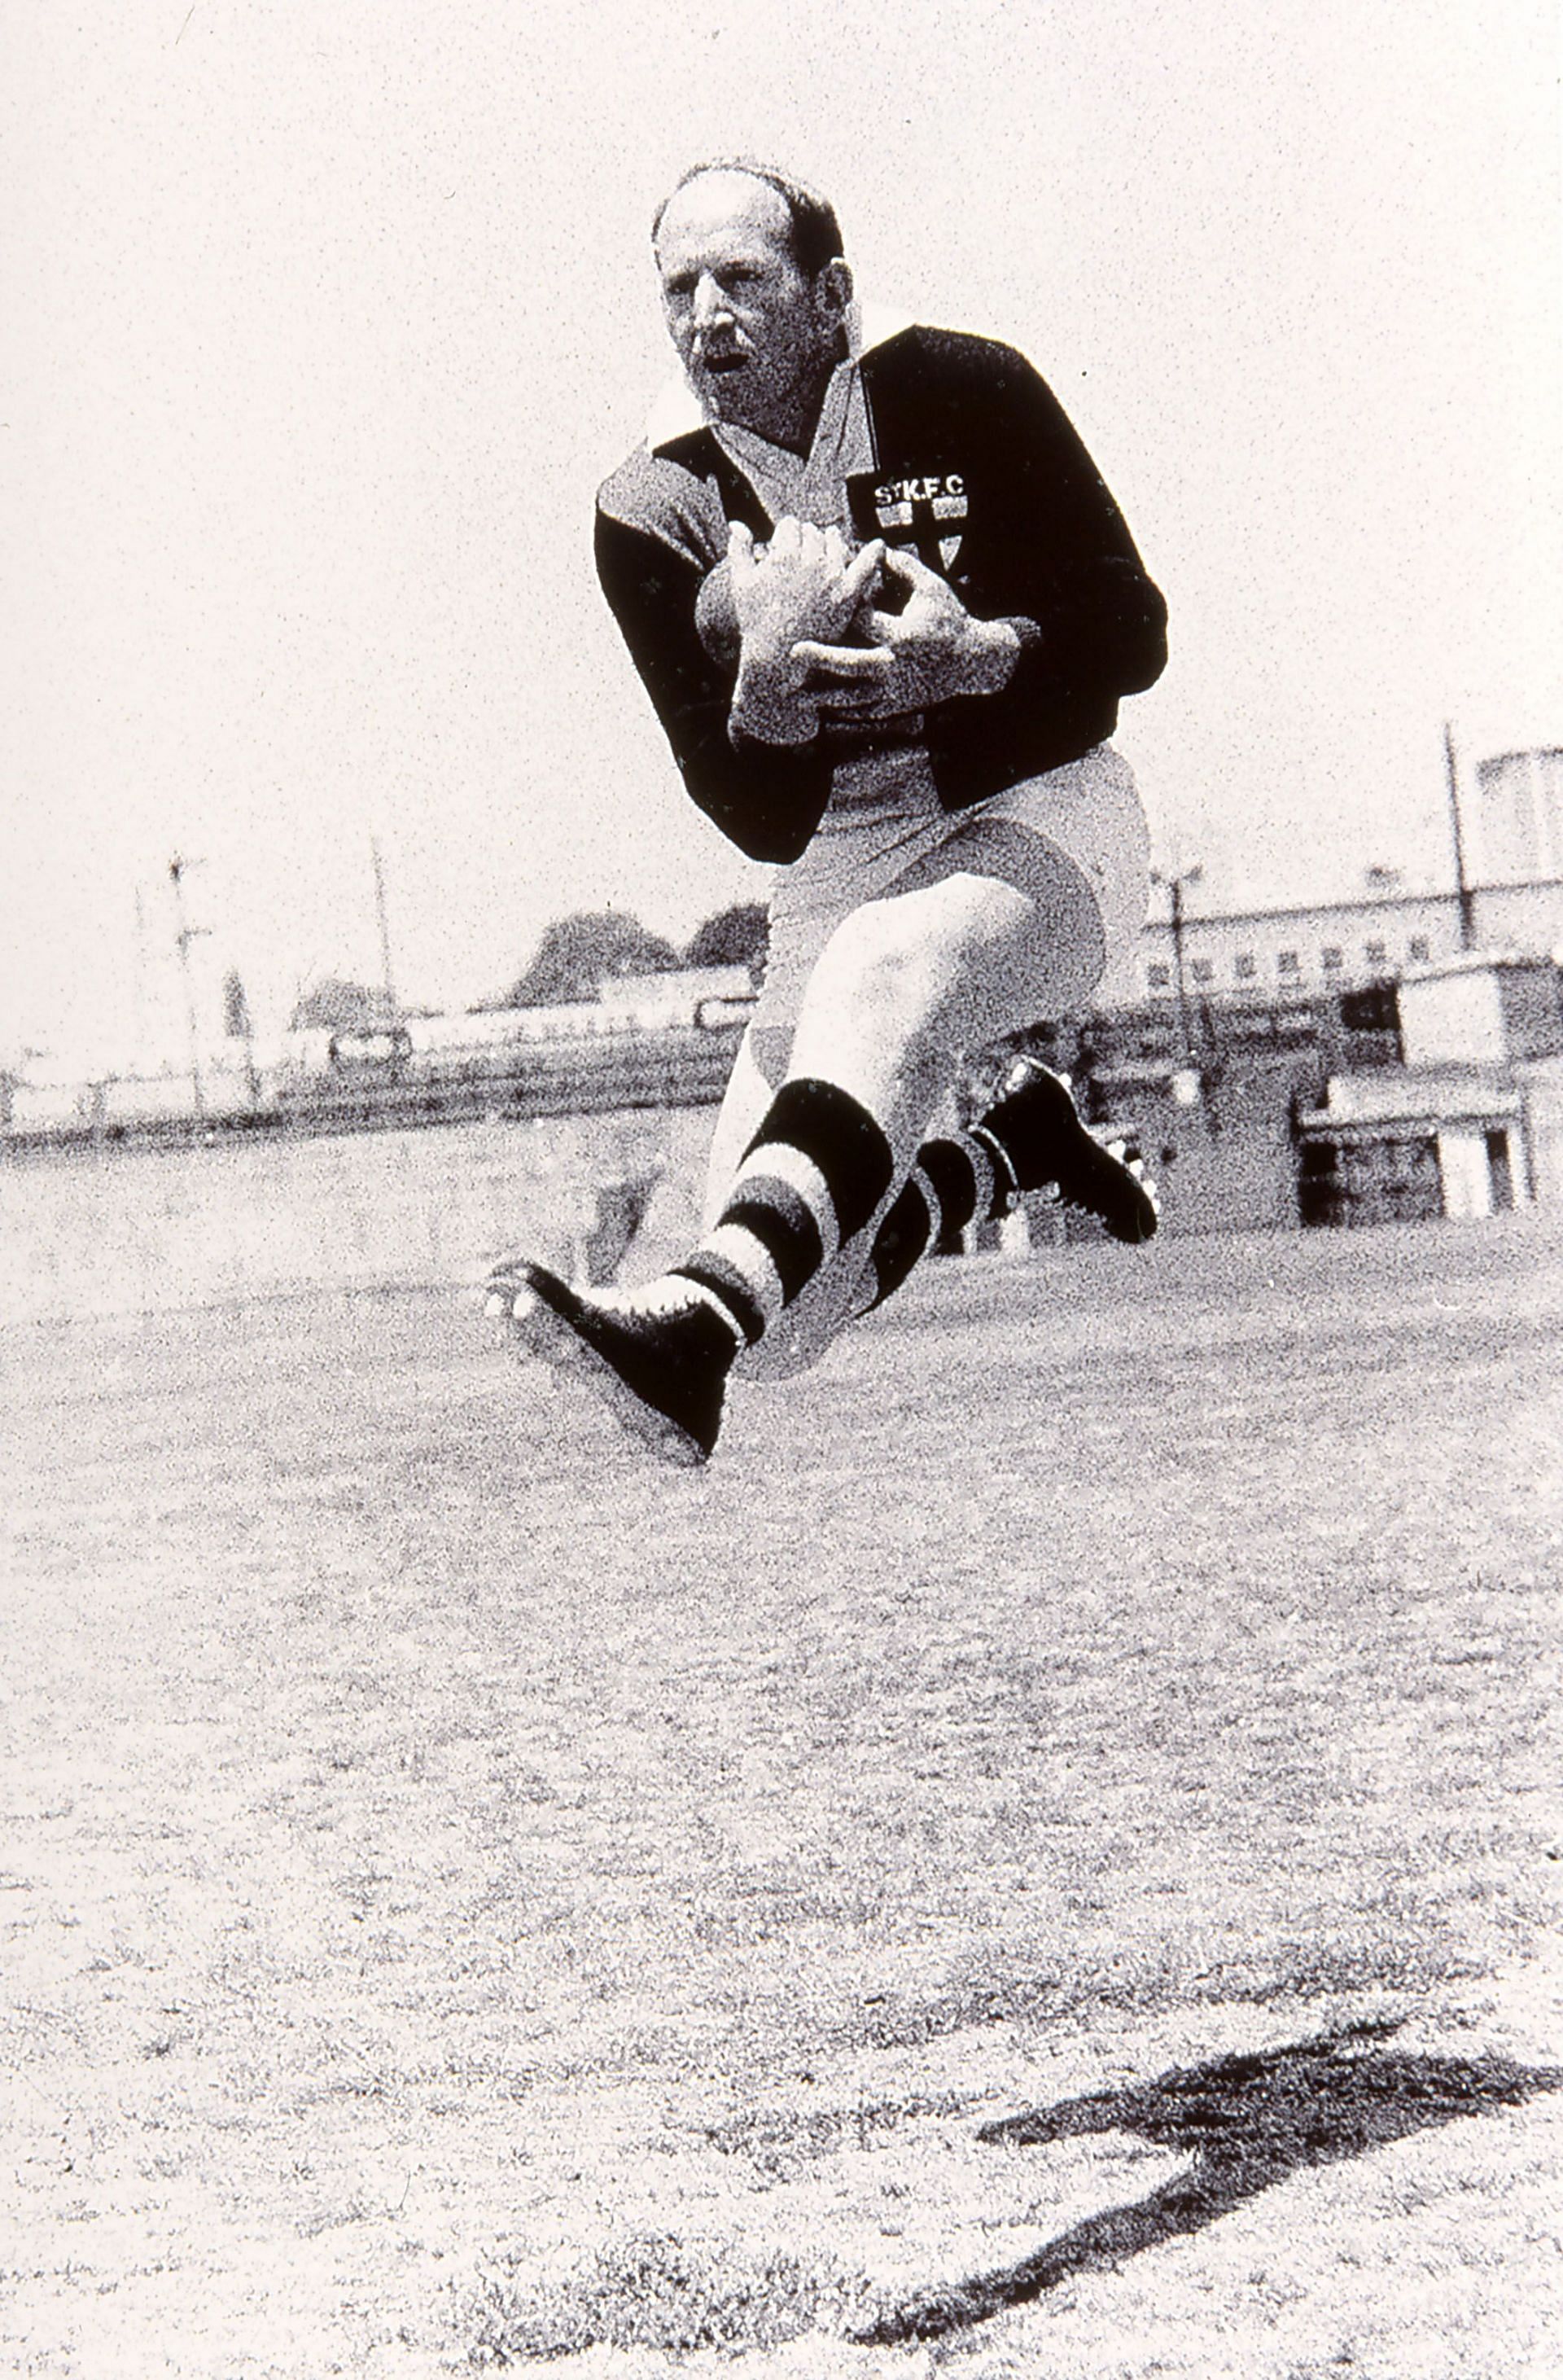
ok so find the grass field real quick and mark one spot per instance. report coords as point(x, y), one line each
point(1043, 1862)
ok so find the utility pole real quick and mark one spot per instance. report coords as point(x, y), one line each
point(386, 977)
point(1175, 895)
point(184, 936)
point(139, 988)
point(1183, 1033)
point(1462, 886)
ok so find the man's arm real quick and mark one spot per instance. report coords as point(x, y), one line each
point(767, 799)
point(1084, 609)
point(1044, 551)
point(1057, 610)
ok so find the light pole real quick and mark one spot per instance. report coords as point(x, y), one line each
point(387, 979)
point(184, 937)
point(1175, 883)
point(1462, 882)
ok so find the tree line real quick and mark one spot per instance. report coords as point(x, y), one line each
point(577, 958)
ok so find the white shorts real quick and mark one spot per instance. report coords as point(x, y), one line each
point(1074, 839)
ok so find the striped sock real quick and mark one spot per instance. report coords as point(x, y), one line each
point(811, 1179)
point(951, 1183)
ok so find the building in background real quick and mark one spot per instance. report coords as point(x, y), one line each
point(1514, 893)
point(1471, 1124)
point(1519, 820)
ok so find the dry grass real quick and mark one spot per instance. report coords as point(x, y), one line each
point(470, 1898)
point(676, 2294)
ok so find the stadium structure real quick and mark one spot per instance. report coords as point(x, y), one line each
point(1395, 1056)
point(666, 1039)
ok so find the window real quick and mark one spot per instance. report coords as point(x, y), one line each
point(1244, 967)
point(1332, 959)
point(1287, 964)
point(1203, 971)
point(1158, 977)
point(1420, 951)
point(1376, 954)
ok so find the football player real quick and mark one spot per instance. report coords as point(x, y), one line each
point(885, 608)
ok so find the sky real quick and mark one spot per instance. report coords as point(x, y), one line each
point(323, 324)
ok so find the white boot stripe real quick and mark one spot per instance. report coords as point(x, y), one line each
point(738, 1246)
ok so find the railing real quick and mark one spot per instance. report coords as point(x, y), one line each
point(683, 1066)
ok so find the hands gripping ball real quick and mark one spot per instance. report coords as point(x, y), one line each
point(716, 613)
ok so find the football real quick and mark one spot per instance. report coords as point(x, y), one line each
point(716, 622)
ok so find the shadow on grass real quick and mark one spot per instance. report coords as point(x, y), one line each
point(1249, 2121)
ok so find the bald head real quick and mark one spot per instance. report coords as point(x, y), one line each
point(814, 232)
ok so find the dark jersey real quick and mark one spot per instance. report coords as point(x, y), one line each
point(976, 467)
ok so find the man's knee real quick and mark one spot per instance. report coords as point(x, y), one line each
point(895, 972)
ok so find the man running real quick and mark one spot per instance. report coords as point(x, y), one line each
point(885, 608)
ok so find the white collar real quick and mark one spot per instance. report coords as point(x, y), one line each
point(676, 410)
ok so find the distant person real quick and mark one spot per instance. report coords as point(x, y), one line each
point(885, 608)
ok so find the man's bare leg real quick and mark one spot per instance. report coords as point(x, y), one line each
point(749, 1093)
point(903, 988)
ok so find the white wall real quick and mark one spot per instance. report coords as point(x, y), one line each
point(133, 1231)
point(1467, 1175)
point(1453, 1020)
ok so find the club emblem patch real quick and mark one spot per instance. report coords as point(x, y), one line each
point(921, 512)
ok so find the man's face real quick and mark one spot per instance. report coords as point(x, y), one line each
point(757, 337)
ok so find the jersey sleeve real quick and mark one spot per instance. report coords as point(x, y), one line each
point(1090, 619)
point(764, 798)
point(1045, 547)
